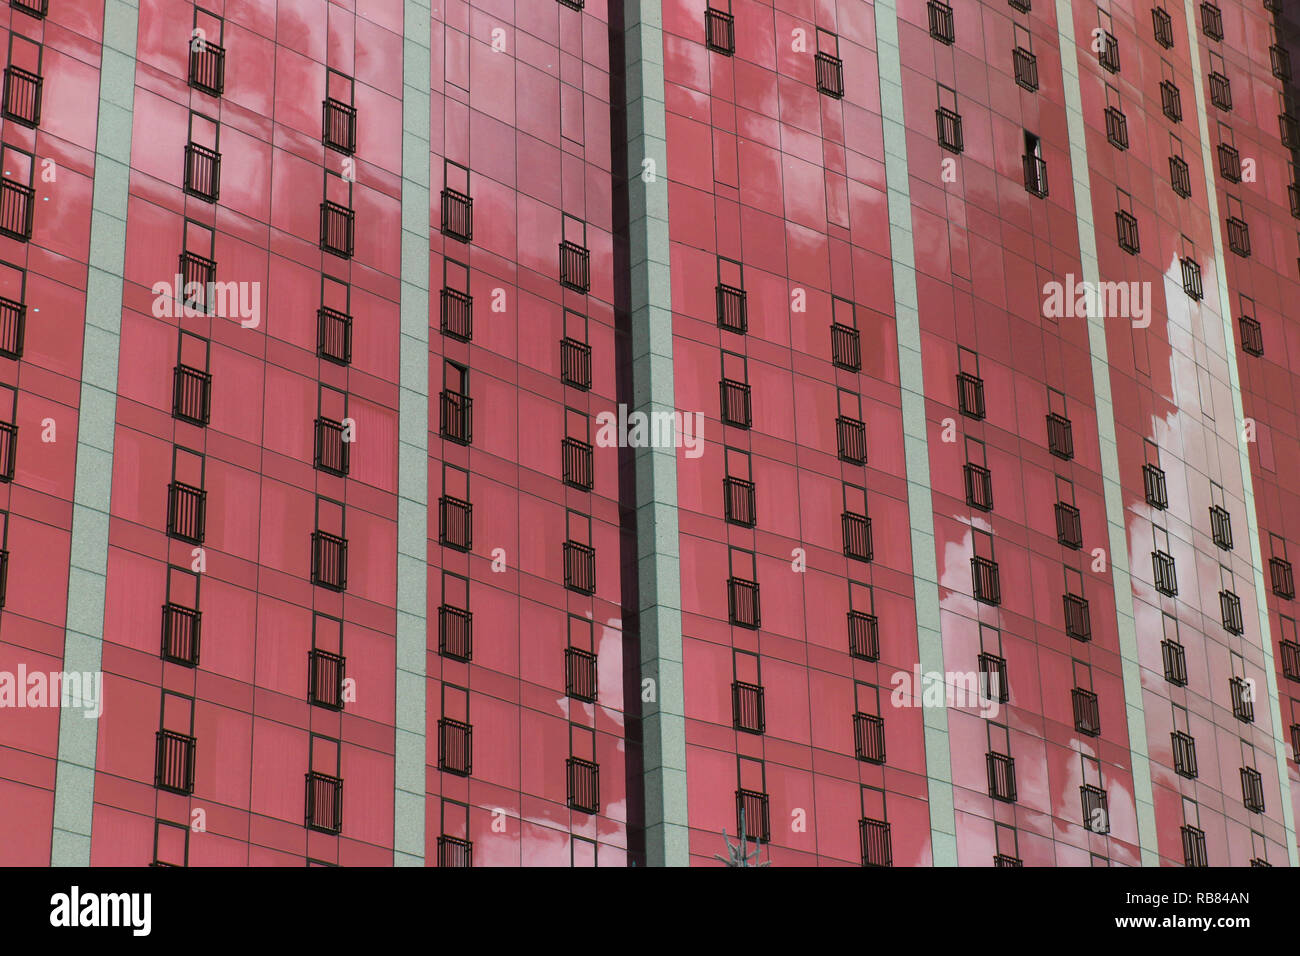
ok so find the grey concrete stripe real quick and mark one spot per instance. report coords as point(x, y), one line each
point(658, 562)
point(1243, 453)
point(920, 499)
point(409, 780)
point(1110, 473)
point(74, 785)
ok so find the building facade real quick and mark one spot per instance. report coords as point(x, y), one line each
point(574, 432)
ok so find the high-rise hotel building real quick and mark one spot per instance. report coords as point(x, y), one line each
point(567, 432)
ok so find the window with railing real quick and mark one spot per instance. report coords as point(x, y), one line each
point(970, 395)
point(735, 400)
point(34, 8)
point(1154, 486)
point(851, 439)
point(1087, 712)
point(575, 258)
point(1194, 853)
point(1069, 526)
point(207, 72)
point(583, 784)
point(979, 486)
point(1096, 811)
point(191, 394)
point(579, 567)
point(1002, 777)
point(174, 762)
point(869, 737)
point(1025, 65)
point(1238, 236)
point(325, 672)
point(1180, 176)
point(329, 560)
point(1035, 168)
point(578, 463)
point(17, 196)
point(1060, 436)
point(1108, 51)
point(993, 678)
point(1171, 101)
point(864, 636)
point(1192, 279)
point(337, 229)
point(456, 416)
point(339, 113)
point(13, 324)
point(1230, 606)
point(202, 172)
point(1252, 335)
point(1282, 578)
point(845, 350)
point(1175, 661)
point(747, 710)
point(186, 512)
point(333, 450)
point(1279, 61)
point(1078, 623)
point(1290, 660)
point(1221, 527)
point(455, 523)
point(987, 584)
point(457, 207)
point(1252, 789)
point(334, 335)
point(1184, 754)
point(1003, 860)
point(875, 842)
point(738, 501)
point(941, 23)
point(719, 30)
point(1126, 229)
point(730, 295)
point(575, 363)
point(1212, 21)
point(1289, 129)
point(324, 802)
point(1165, 573)
point(948, 122)
point(455, 746)
point(455, 632)
point(456, 309)
point(1163, 25)
point(856, 530)
point(181, 631)
point(23, 84)
point(742, 603)
point(1220, 91)
point(198, 273)
point(455, 852)
point(1243, 699)
point(1116, 127)
point(828, 67)
point(580, 674)
point(752, 815)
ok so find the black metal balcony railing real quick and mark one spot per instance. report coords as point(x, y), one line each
point(22, 96)
point(456, 417)
point(1087, 712)
point(1280, 61)
point(324, 802)
point(1221, 527)
point(455, 523)
point(1108, 55)
point(986, 584)
point(325, 672)
point(333, 454)
point(1022, 6)
point(1289, 129)
point(186, 511)
point(191, 394)
point(1025, 65)
point(174, 762)
point(1078, 623)
point(1290, 660)
point(16, 207)
point(207, 67)
point(864, 636)
point(1096, 812)
point(1212, 21)
point(970, 395)
point(455, 747)
point(830, 75)
point(575, 266)
point(198, 273)
point(1171, 101)
point(181, 629)
point(457, 215)
point(1184, 754)
point(1035, 175)
point(950, 132)
point(13, 328)
point(851, 440)
point(1239, 236)
point(455, 852)
point(1116, 128)
point(1295, 742)
point(1283, 581)
point(1163, 25)
point(869, 737)
point(1002, 777)
point(578, 461)
point(738, 501)
point(742, 603)
point(8, 450)
point(1252, 336)
point(583, 784)
point(575, 363)
point(979, 486)
point(733, 314)
point(1220, 91)
point(845, 350)
point(579, 567)
point(1126, 228)
point(1001, 860)
point(1252, 790)
point(1060, 436)
point(1154, 486)
point(719, 31)
point(993, 678)
point(580, 674)
point(941, 24)
point(856, 529)
point(1243, 699)
point(1192, 279)
point(455, 633)
point(1194, 846)
point(334, 335)
point(752, 816)
point(339, 125)
point(337, 229)
point(34, 8)
point(1180, 176)
point(1175, 661)
point(747, 711)
point(1230, 606)
point(1164, 573)
point(736, 409)
point(876, 845)
point(329, 560)
point(573, 4)
point(456, 311)
point(202, 172)
point(1069, 526)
